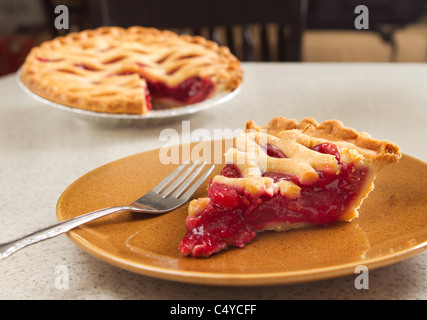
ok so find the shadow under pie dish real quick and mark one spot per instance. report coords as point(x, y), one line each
point(285, 175)
point(129, 71)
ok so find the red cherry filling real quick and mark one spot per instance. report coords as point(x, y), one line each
point(48, 60)
point(231, 171)
point(328, 148)
point(273, 151)
point(233, 215)
point(148, 99)
point(190, 91)
point(86, 67)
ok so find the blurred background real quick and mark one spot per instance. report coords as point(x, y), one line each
point(267, 30)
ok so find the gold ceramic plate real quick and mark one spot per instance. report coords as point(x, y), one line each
point(392, 226)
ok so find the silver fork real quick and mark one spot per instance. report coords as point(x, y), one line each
point(172, 192)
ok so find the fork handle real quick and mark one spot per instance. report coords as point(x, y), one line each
point(6, 249)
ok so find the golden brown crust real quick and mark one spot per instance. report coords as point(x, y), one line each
point(380, 152)
point(355, 147)
point(81, 69)
point(296, 140)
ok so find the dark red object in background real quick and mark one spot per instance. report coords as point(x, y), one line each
point(13, 50)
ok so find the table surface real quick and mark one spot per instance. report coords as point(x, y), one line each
point(43, 150)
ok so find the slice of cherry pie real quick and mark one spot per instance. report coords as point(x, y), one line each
point(285, 175)
point(132, 70)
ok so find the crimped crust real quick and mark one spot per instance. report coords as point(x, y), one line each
point(102, 69)
point(379, 152)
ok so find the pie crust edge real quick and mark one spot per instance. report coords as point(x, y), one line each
point(31, 74)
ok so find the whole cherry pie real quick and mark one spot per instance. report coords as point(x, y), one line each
point(285, 175)
point(132, 70)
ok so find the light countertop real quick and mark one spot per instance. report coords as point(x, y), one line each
point(43, 150)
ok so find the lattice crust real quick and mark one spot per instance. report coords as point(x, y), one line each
point(252, 160)
point(295, 140)
point(354, 145)
point(103, 69)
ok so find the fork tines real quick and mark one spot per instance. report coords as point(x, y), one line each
point(176, 184)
